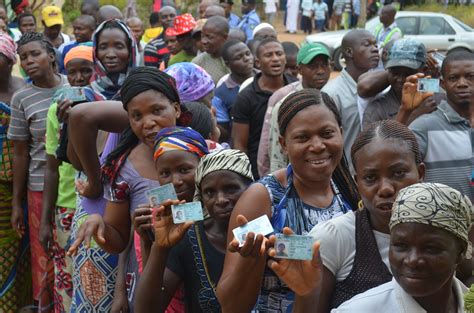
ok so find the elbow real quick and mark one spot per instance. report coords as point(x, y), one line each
point(364, 90)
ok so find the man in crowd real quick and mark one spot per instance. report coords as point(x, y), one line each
point(136, 26)
point(214, 10)
point(183, 26)
point(233, 19)
point(214, 35)
point(155, 27)
point(361, 54)
point(314, 66)
point(248, 111)
point(26, 23)
point(239, 60)
point(387, 30)
point(52, 20)
point(250, 18)
point(203, 5)
point(446, 135)
point(108, 12)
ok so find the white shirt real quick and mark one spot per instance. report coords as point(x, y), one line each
point(391, 298)
point(270, 6)
point(338, 245)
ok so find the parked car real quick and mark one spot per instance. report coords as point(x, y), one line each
point(434, 30)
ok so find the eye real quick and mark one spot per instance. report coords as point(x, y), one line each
point(136, 116)
point(369, 178)
point(184, 170)
point(328, 133)
point(399, 246)
point(164, 173)
point(208, 193)
point(399, 173)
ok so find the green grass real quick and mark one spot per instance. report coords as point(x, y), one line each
point(465, 13)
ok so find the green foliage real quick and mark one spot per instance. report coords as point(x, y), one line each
point(465, 13)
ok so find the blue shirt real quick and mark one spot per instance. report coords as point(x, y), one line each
point(248, 23)
point(234, 20)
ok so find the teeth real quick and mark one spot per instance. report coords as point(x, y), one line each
point(317, 162)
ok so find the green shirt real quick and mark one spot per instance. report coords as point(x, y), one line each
point(181, 56)
point(66, 187)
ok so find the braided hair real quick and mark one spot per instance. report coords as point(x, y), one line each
point(139, 80)
point(298, 101)
point(27, 38)
point(387, 129)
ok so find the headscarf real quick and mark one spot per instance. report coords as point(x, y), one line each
point(8, 47)
point(261, 26)
point(223, 160)
point(79, 52)
point(192, 81)
point(436, 205)
point(102, 82)
point(180, 139)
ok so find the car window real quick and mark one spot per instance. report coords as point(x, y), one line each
point(407, 25)
point(430, 25)
point(463, 26)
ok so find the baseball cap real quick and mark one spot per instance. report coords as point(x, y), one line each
point(52, 15)
point(182, 24)
point(406, 53)
point(310, 50)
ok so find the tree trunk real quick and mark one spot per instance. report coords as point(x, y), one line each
point(363, 13)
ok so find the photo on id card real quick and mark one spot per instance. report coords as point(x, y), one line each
point(187, 212)
point(158, 195)
point(295, 247)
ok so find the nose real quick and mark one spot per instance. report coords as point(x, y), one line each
point(317, 145)
point(149, 122)
point(413, 258)
point(221, 199)
point(386, 189)
point(177, 180)
point(79, 77)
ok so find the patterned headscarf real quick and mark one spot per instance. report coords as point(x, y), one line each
point(102, 82)
point(179, 138)
point(436, 205)
point(192, 81)
point(228, 160)
point(8, 47)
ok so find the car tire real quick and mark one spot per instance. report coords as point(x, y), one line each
point(339, 61)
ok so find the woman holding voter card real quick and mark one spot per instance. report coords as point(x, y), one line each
point(189, 253)
point(316, 187)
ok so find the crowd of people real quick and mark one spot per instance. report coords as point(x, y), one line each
point(377, 172)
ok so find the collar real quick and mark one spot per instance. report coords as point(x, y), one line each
point(257, 88)
point(230, 83)
point(392, 26)
point(349, 81)
point(450, 114)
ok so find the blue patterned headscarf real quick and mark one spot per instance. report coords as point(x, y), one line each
point(192, 81)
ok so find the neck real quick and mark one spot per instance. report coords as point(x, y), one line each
point(271, 83)
point(239, 79)
point(388, 24)
point(442, 301)
point(51, 81)
point(354, 71)
point(5, 82)
point(316, 193)
point(464, 110)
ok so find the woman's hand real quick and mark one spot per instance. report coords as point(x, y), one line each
point(254, 246)
point(301, 276)
point(142, 221)
point(62, 112)
point(168, 234)
point(94, 227)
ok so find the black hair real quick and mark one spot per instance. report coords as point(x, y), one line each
point(290, 48)
point(263, 43)
point(386, 129)
point(226, 47)
point(462, 55)
point(154, 18)
point(26, 38)
point(253, 46)
point(202, 118)
point(25, 15)
point(89, 19)
point(296, 102)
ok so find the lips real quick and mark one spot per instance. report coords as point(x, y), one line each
point(319, 161)
point(385, 206)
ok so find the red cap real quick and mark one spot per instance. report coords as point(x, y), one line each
point(182, 24)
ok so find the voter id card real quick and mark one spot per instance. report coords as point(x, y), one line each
point(187, 212)
point(295, 247)
point(75, 94)
point(428, 85)
point(257, 226)
point(158, 195)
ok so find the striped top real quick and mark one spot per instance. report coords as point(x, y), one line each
point(28, 123)
point(446, 143)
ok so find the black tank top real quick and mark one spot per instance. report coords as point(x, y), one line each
point(368, 270)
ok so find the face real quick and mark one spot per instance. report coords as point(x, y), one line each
point(423, 258)
point(365, 53)
point(35, 60)
point(167, 16)
point(316, 73)
point(79, 72)
point(112, 50)
point(212, 39)
point(178, 168)
point(137, 29)
point(52, 32)
point(186, 42)
point(241, 60)
point(202, 9)
point(3, 26)
point(313, 142)
point(27, 24)
point(149, 112)
point(82, 31)
point(227, 8)
point(458, 81)
point(383, 167)
point(3, 14)
point(386, 17)
point(291, 67)
point(397, 76)
point(5, 64)
point(271, 59)
point(246, 8)
point(172, 43)
point(220, 192)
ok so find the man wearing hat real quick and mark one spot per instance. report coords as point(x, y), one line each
point(314, 62)
point(52, 19)
point(406, 57)
point(183, 26)
point(233, 19)
point(250, 18)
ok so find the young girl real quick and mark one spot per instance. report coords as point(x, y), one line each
point(194, 254)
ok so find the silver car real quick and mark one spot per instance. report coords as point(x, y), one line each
point(434, 30)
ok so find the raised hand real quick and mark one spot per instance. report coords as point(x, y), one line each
point(94, 227)
point(301, 276)
point(142, 221)
point(254, 246)
point(411, 97)
point(168, 234)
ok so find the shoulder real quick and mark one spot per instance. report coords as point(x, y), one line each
point(21, 93)
point(377, 299)
point(426, 122)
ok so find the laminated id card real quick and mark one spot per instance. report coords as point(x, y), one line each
point(257, 226)
point(294, 247)
point(158, 195)
point(191, 211)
